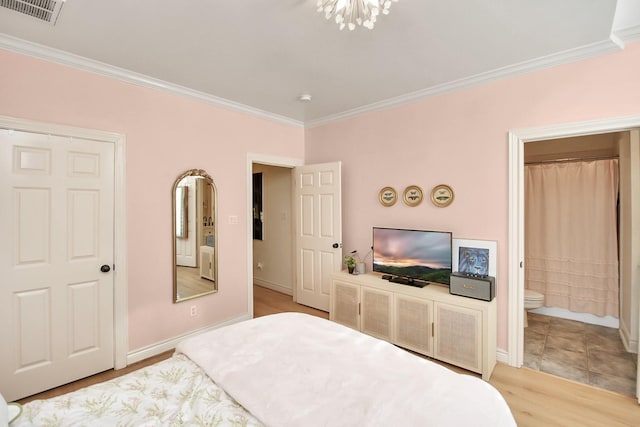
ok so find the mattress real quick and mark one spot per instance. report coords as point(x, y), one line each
point(282, 370)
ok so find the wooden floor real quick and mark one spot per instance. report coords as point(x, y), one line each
point(536, 399)
point(190, 282)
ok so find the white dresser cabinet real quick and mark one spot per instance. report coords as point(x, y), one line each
point(206, 262)
point(430, 321)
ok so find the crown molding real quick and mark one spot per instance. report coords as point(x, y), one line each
point(613, 44)
point(75, 61)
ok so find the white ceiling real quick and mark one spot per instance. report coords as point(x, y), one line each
point(260, 55)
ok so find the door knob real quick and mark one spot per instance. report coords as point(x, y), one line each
point(105, 268)
point(336, 245)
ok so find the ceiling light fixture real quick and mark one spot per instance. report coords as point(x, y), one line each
point(350, 13)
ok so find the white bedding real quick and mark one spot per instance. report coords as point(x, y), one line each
point(293, 369)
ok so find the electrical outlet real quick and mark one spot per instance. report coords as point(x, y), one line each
point(194, 310)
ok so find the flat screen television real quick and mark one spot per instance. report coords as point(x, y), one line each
point(412, 255)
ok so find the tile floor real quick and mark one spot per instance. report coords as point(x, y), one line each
point(581, 352)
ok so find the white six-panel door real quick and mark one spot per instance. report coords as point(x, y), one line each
point(186, 249)
point(57, 228)
point(318, 234)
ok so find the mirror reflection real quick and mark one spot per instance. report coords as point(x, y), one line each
point(194, 236)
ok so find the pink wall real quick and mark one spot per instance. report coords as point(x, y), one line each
point(165, 135)
point(460, 139)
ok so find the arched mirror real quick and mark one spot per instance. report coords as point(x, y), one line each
point(195, 266)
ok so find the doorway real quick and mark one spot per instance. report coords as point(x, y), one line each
point(276, 274)
point(576, 179)
point(272, 220)
point(517, 139)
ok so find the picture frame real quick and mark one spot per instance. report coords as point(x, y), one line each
point(388, 196)
point(412, 195)
point(442, 195)
point(484, 247)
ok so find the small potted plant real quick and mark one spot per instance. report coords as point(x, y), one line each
point(350, 262)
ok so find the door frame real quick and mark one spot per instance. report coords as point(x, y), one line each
point(517, 139)
point(120, 300)
point(263, 159)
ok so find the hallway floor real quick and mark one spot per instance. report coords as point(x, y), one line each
point(590, 354)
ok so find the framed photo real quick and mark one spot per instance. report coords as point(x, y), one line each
point(474, 257)
point(442, 195)
point(412, 195)
point(388, 196)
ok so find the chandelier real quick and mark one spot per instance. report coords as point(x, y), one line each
point(350, 13)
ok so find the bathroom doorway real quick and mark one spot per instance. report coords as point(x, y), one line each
point(582, 341)
point(629, 257)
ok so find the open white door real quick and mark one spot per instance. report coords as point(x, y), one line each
point(186, 255)
point(56, 257)
point(318, 231)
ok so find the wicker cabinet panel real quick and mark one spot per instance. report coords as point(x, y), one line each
point(414, 317)
point(377, 313)
point(458, 336)
point(345, 304)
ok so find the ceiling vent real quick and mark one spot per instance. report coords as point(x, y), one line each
point(44, 10)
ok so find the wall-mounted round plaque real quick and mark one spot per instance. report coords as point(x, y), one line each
point(442, 195)
point(388, 196)
point(412, 195)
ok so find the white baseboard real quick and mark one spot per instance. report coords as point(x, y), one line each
point(563, 313)
point(161, 347)
point(502, 356)
point(273, 286)
point(630, 345)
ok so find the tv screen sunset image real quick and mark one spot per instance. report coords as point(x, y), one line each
point(416, 254)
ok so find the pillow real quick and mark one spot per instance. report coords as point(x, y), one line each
point(4, 415)
point(8, 411)
point(14, 410)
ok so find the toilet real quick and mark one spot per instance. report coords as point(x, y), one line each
point(532, 299)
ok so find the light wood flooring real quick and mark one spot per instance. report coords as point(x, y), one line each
point(191, 284)
point(536, 399)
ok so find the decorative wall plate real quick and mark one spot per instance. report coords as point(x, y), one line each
point(442, 195)
point(388, 196)
point(412, 195)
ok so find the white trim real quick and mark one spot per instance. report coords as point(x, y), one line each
point(517, 139)
point(571, 55)
point(64, 58)
point(121, 318)
point(264, 159)
point(502, 356)
point(170, 344)
point(273, 286)
point(628, 34)
point(121, 292)
point(613, 44)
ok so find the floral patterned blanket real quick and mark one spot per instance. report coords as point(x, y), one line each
point(174, 392)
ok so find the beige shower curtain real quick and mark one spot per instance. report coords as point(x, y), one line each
point(571, 246)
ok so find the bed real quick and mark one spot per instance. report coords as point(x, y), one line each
point(288, 369)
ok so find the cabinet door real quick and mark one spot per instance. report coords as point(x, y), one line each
point(377, 313)
point(458, 336)
point(345, 304)
point(413, 321)
point(206, 262)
